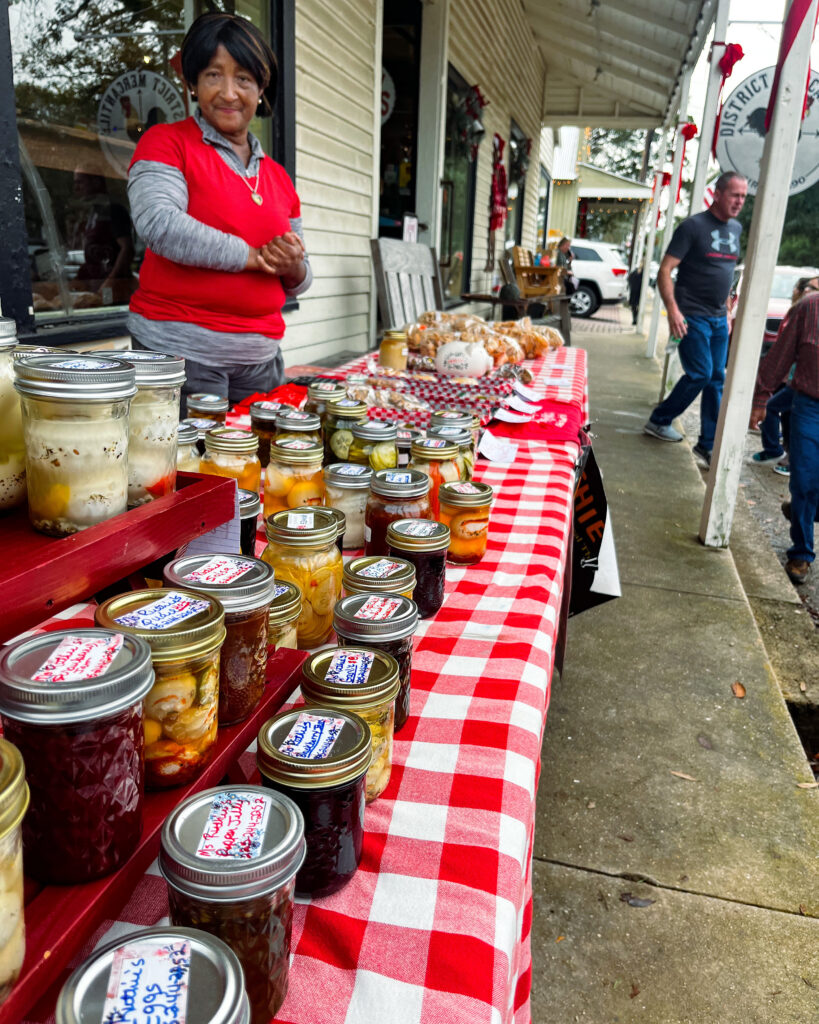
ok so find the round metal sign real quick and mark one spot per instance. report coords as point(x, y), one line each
point(132, 103)
point(742, 132)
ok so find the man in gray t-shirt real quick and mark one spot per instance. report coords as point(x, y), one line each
point(705, 250)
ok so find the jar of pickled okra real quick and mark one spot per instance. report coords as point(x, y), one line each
point(14, 798)
point(437, 458)
point(341, 416)
point(374, 445)
point(233, 452)
point(187, 454)
point(250, 505)
point(346, 488)
point(208, 406)
point(293, 476)
point(394, 494)
point(424, 544)
point(465, 459)
point(375, 574)
point(283, 617)
point(465, 510)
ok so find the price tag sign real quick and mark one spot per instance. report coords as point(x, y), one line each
point(300, 520)
point(312, 737)
point(148, 983)
point(378, 608)
point(380, 570)
point(349, 668)
point(236, 825)
point(79, 657)
point(220, 569)
point(419, 529)
point(168, 611)
point(398, 478)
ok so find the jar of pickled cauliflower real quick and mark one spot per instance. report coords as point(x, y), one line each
point(366, 683)
point(13, 803)
point(394, 494)
point(347, 488)
point(339, 419)
point(263, 424)
point(184, 631)
point(75, 426)
point(233, 452)
point(187, 455)
point(71, 701)
point(293, 476)
point(12, 446)
point(301, 547)
point(208, 406)
point(374, 574)
point(282, 620)
point(437, 458)
point(320, 392)
point(465, 459)
point(292, 425)
point(465, 510)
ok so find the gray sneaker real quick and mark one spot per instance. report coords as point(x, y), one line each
point(662, 432)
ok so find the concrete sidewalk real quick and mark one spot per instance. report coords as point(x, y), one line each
point(668, 898)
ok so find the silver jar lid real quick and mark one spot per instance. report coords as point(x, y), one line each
point(455, 435)
point(451, 417)
point(250, 504)
point(231, 440)
point(406, 435)
point(375, 430)
point(340, 518)
point(466, 494)
point(306, 527)
point(239, 582)
point(232, 842)
point(202, 425)
point(186, 433)
point(400, 483)
point(301, 422)
point(267, 410)
point(8, 332)
point(154, 369)
point(81, 378)
point(314, 747)
point(375, 616)
point(417, 535)
point(208, 402)
point(24, 351)
point(214, 991)
point(73, 675)
point(348, 476)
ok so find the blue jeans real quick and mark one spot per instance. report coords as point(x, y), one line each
point(703, 352)
point(777, 410)
point(804, 479)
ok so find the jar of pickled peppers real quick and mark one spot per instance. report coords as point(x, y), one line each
point(375, 574)
point(263, 424)
point(319, 757)
point(374, 445)
point(283, 616)
point(293, 476)
point(347, 487)
point(320, 392)
point(12, 446)
point(187, 453)
point(184, 631)
point(425, 545)
point(71, 701)
point(229, 857)
point(202, 425)
point(394, 494)
point(364, 682)
point(14, 799)
point(465, 459)
point(233, 452)
point(465, 510)
point(208, 406)
point(250, 506)
point(437, 458)
point(339, 420)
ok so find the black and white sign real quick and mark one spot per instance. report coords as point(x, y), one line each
point(130, 105)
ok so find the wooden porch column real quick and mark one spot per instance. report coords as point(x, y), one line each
point(709, 113)
point(653, 212)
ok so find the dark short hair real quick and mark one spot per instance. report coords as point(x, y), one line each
point(725, 179)
point(242, 40)
point(803, 282)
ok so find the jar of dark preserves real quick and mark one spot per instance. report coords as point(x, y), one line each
point(425, 544)
point(250, 505)
point(244, 587)
point(212, 407)
point(202, 424)
point(230, 857)
point(374, 574)
point(394, 494)
point(71, 702)
point(319, 757)
point(263, 424)
point(386, 623)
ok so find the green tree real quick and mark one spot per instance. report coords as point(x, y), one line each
point(799, 245)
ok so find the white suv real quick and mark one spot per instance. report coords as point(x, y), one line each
point(601, 273)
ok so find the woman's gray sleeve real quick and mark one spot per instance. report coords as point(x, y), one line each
point(295, 225)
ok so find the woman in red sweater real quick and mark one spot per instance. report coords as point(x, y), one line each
point(220, 219)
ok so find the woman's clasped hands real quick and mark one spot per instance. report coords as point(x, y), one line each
point(282, 256)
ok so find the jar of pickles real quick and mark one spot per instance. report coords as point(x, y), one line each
point(293, 476)
point(250, 506)
point(71, 701)
point(13, 803)
point(339, 419)
point(301, 547)
point(435, 457)
point(457, 417)
point(232, 452)
point(394, 494)
point(394, 350)
point(75, 425)
point(374, 574)
point(184, 631)
point(366, 683)
point(465, 510)
point(263, 424)
point(230, 857)
point(465, 459)
point(192, 976)
point(202, 425)
point(208, 406)
point(12, 446)
point(320, 392)
point(424, 544)
point(319, 757)
point(347, 487)
point(374, 445)
point(152, 425)
point(403, 442)
point(386, 623)
point(187, 454)
point(292, 425)
point(283, 616)
point(244, 587)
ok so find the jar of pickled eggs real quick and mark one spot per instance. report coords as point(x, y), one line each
point(437, 458)
point(283, 617)
point(292, 425)
point(375, 574)
point(465, 459)
point(423, 543)
point(208, 406)
point(465, 510)
point(293, 476)
point(394, 494)
point(374, 445)
point(233, 452)
point(13, 803)
point(341, 416)
point(12, 446)
point(187, 454)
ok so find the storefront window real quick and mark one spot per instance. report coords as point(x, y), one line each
point(543, 207)
point(463, 133)
point(519, 147)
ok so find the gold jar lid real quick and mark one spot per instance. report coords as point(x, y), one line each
point(433, 449)
point(466, 494)
point(306, 527)
point(13, 788)
point(313, 747)
point(372, 574)
point(326, 390)
point(394, 334)
point(417, 535)
point(351, 678)
point(231, 439)
point(347, 409)
point(286, 604)
point(295, 452)
point(175, 623)
point(292, 420)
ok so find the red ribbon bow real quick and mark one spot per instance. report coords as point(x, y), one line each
point(732, 54)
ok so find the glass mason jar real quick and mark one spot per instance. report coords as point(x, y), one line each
point(75, 425)
point(244, 587)
point(12, 446)
point(229, 857)
point(386, 623)
point(437, 459)
point(366, 683)
point(282, 620)
point(13, 803)
point(465, 459)
point(250, 506)
point(341, 525)
point(454, 416)
point(425, 544)
point(465, 510)
point(292, 425)
point(301, 547)
point(374, 445)
point(202, 425)
point(263, 424)
point(320, 392)
point(232, 452)
point(152, 425)
point(394, 494)
point(213, 991)
point(405, 437)
point(293, 476)
point(208, 406)
point(187, 453)
point(71, 701)
point(346, 487)
point(319, 756)
point(393, 351)
point(374, 574)
point(184, 632)
point(339, 420)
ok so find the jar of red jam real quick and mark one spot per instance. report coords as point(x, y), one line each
point(263, 424)
point(202, 425)
point(250, 505)
point(437, 458)
point(71, 702)
point(244, 587)
point(230, 857)
point(386, 623)
point(374, 574)
point(13, 803)
point(319, 757)
point(425, 544)
point(465, 510)
point(394, 494)
point(212, 407)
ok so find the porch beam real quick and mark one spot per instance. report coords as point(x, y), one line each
point(570, 118)
point(591, 62)
point(642, 12)
point(615, 45)
point(609, 59)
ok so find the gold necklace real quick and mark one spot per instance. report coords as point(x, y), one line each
point(254, 189)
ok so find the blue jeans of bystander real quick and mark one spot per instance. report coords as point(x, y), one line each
point(777, 411)
point(804, 479)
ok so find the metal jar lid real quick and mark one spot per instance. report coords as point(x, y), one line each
point(374, 574)
point(261, 848)
point(215, 992)
point(80, 378)
point(455, 435)
point(294, 452)
point(326, 390)
point(417, 535)
point(201, 425)
point(400, 483)
point(267, 411)
point(406, 435)
point(204, 401)
point(8, 333)
point(308, 527)
point(24, 351)
point(375, 430)
point(250, 504)
point(433, 449)
point(155, 369)
point(286, 604)
point(348, 476)
point(186, 433)
point(337, 514)
point(231, 439)
point(330, 680)
point(82, 674)
point(292, 419)
point(376, 617)
point(13, 788)
point(314, 747)
point(466, 494)
point(239, 582)
point(169, 636)
point(451, 417)
point(347, 409)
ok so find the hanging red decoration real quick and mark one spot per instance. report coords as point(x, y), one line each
point(731, 55)
point(497, 197)
point(688, 131)
point(797, 13)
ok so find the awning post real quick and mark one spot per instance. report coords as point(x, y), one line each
point(709, 113)
point(653, 213)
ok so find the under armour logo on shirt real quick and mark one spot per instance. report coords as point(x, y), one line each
point(723, 243)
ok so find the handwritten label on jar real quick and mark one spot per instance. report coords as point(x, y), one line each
point(295, 445)
point(312, 737)
point(376, 607)
point(398, 478)
point(349, 668)
point(168, 611)
point(79, 657)
point(350, 470)
point(300, 520)
point(236, 825)
point(200, 399)
point(138, 356)
point(405, 435)
point(148, 983)
point(419, 529)
point(449, 431)
point(220, 569)
point(465, 488)
point(432, 442)
point(380, 569)
point(84, 364)
point(347, 402)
